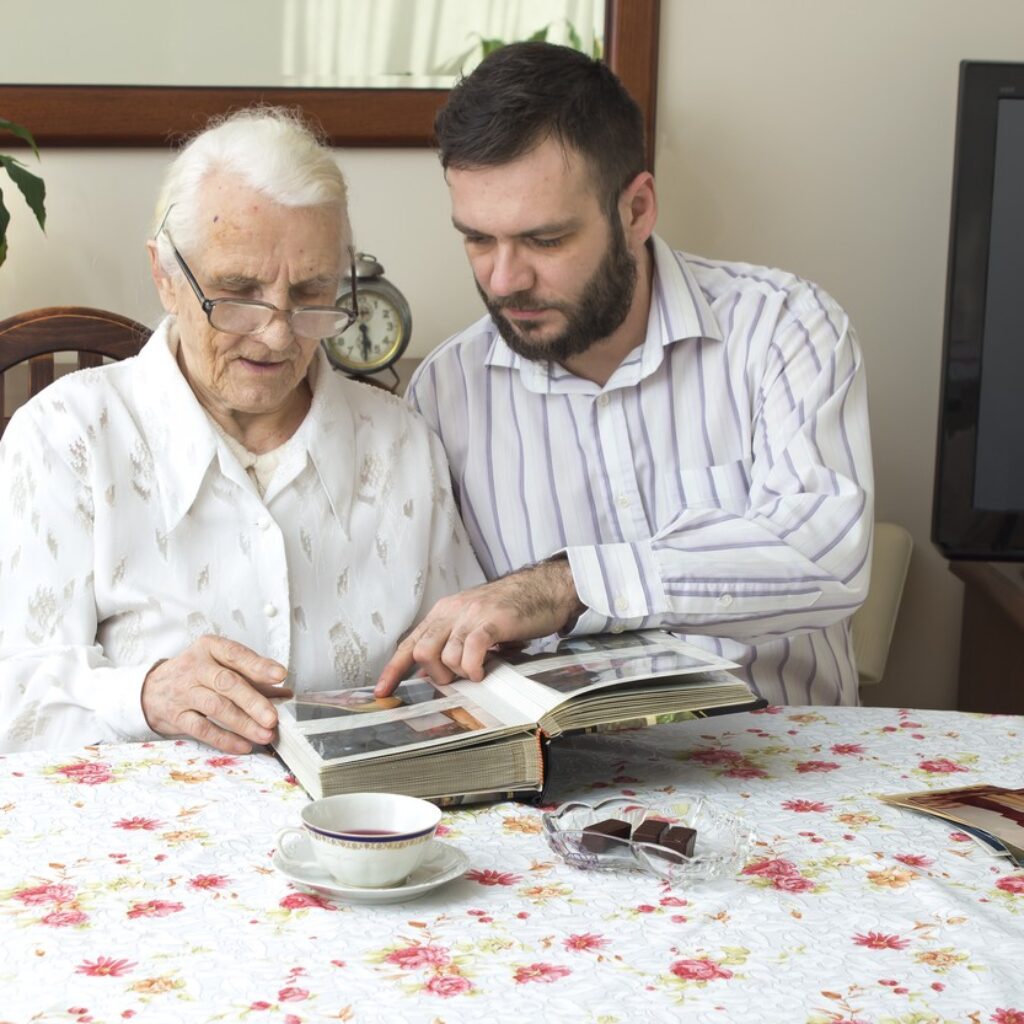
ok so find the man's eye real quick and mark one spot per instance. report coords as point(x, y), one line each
point(547, 243)
point(474, 239)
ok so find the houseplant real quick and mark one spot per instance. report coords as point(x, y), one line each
point(30, 186)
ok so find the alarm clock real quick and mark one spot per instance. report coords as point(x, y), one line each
point(381, 331)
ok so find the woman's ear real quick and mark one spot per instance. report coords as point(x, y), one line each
point(164, 284)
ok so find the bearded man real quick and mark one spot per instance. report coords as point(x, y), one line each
point(637, 437)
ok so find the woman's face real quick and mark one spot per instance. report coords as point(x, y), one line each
point(253, 248)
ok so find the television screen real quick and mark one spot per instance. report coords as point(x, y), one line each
point(978, 510)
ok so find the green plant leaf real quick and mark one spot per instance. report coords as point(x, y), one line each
point(23, 133)
point(488, 46)
point(32, 187)
point(574, 37)
point(540, 36)
point(5, 219)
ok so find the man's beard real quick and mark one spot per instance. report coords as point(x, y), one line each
point(597, 314)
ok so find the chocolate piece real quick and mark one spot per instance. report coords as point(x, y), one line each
point(679, 840)
point(598, 837)
point(649, 831)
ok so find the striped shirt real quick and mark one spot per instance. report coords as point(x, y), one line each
point(719, 484)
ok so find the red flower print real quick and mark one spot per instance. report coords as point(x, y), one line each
point(442, 830)
point(222, 761)
point(412, 957)
point(792, 883)
point(772, 709)
point(89, 773)
point(746, 771)
point(712, 755)
point(1008, 1017)
point(673, 901)
point(876, 940)
point(1013, 884)
point(771, 868)
point(51, 893)
point(299, 900)
point(914, 860)
point(155, 908)
point(260, 1004)
point(293, 994)
point(291, 1018)
point(485, 876)
point(701, 969)
point(136, 824)
point(846, 748)
point(105, 967)
point(208, 882)
point(941, 765)
point(540, 972)
point(447, 985)
point(816, 766)
point(585, 943)
point(64, 918)
point(806, 806)
point(959, 837)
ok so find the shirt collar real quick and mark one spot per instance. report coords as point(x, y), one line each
point(678, 312)
point(182, 441)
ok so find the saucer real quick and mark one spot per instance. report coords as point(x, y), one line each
point(442, 864)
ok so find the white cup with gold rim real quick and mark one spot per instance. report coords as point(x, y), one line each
point(363, 840)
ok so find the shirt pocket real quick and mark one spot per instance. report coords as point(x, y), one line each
point(725, 485)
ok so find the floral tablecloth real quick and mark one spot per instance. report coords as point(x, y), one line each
point(136, 884)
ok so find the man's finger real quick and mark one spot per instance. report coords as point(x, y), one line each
point(475, 650)
point(394, 671)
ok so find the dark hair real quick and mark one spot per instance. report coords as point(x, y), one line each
point(524, 93)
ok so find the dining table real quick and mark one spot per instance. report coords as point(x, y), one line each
point(138, 882)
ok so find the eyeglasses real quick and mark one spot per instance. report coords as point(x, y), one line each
point(250, 316)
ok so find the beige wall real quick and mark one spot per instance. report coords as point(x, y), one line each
point(810, 134)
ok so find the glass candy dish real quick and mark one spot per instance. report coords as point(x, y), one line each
point(721, 848)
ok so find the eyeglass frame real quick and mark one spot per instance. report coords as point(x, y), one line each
point(208, 304)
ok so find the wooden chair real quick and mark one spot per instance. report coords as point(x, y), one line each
point(35, 336)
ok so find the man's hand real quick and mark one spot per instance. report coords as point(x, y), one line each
point(454, 638)
point(217, 679)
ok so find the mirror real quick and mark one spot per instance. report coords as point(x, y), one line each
point(156, 115)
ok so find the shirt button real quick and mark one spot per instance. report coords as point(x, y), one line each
point(623, 501)
point(618, 628)
point(725, 600)
point(270, 610)
point(621, 604)
point(603, 400)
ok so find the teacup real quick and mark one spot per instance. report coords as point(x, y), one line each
point(363, 840)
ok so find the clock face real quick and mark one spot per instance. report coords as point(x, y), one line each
point(377, 337)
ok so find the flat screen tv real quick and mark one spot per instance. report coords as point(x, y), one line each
point(978, 506)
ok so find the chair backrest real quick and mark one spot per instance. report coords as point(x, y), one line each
point(35, 336)
point(875, 620)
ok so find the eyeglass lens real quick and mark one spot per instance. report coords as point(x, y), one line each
point(243, 318)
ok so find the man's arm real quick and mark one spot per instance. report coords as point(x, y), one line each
point(454, 638)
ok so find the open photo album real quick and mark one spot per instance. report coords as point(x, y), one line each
point(471, 741)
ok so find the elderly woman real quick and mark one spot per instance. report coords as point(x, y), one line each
point(185, 531)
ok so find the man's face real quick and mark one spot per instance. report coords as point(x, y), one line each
point(253, 249)
point(556, 275)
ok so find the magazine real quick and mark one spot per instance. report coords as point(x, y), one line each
point(992, 814)
point(471, 741)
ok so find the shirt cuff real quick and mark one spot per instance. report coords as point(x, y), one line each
point(618, 581)
point(119, 701)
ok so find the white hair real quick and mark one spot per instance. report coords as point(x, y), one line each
point(271, 149)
